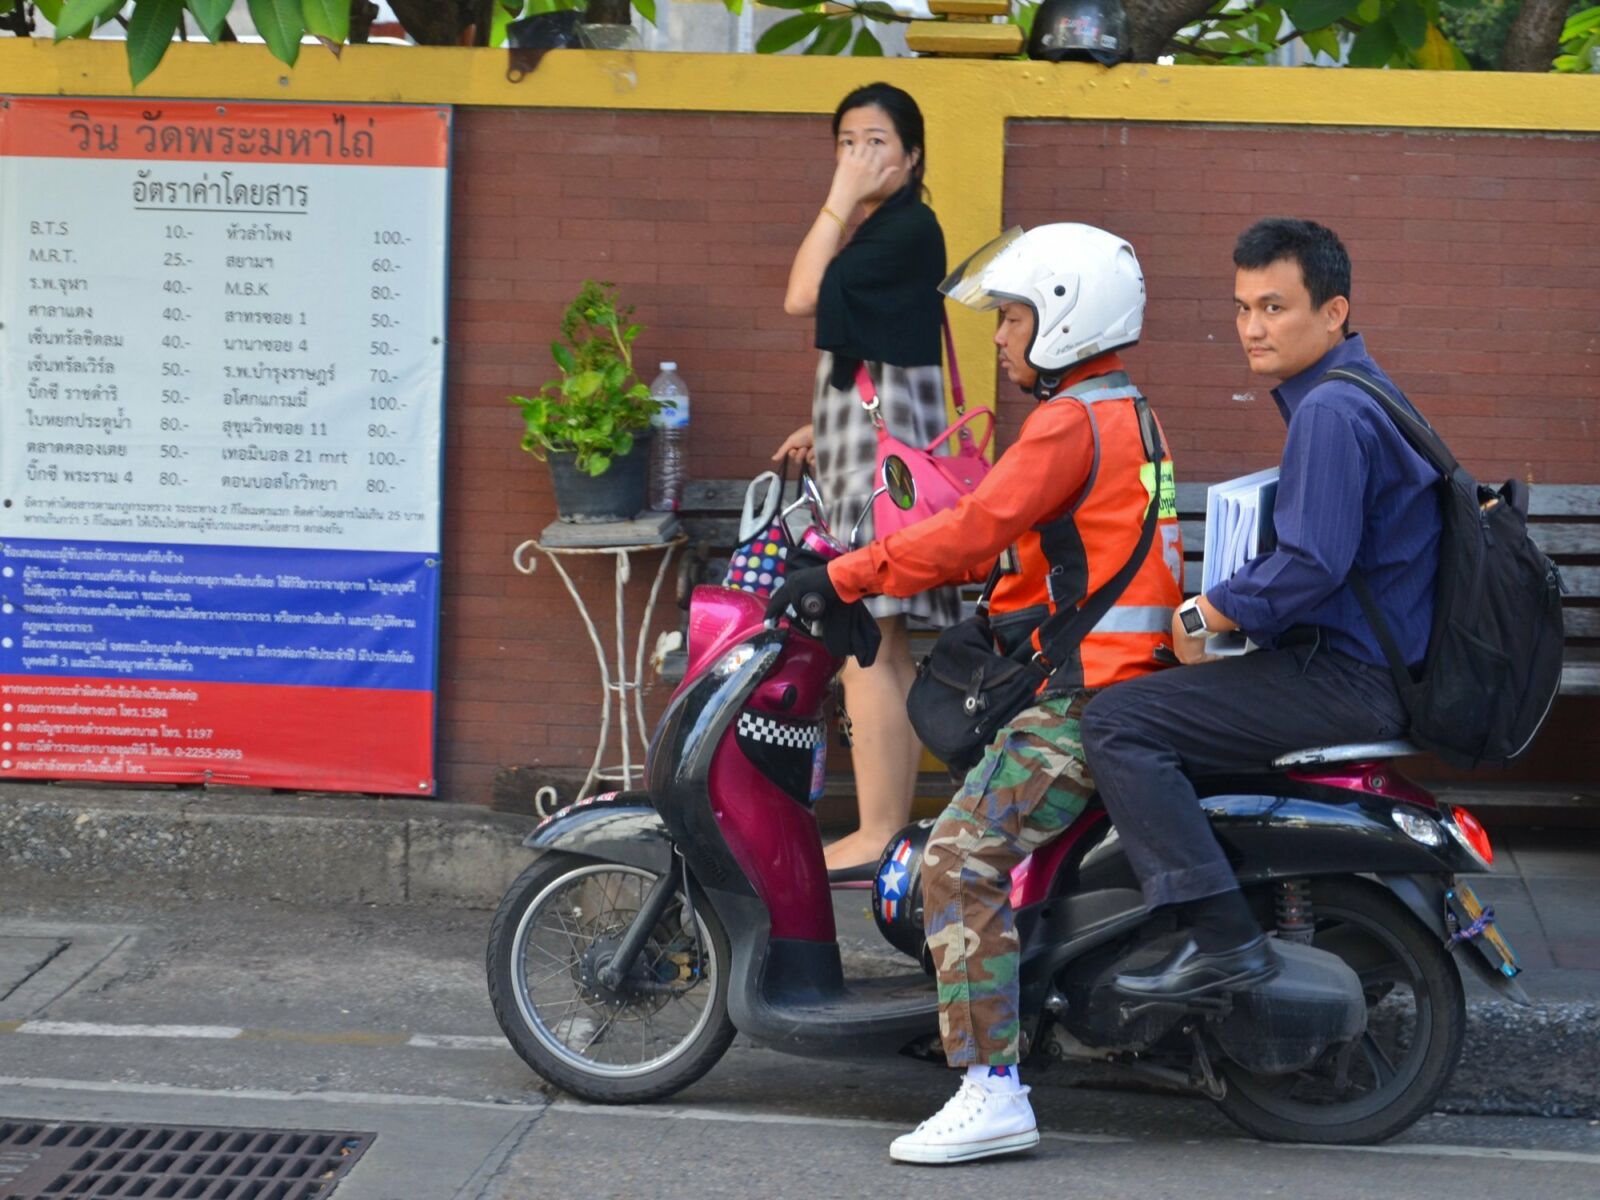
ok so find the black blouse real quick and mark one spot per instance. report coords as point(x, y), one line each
point(879, 300)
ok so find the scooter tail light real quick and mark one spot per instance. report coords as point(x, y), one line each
point(1470, 833)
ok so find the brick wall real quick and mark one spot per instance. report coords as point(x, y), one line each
point(1477, 280)
point(696, 218)
point(1476, 275)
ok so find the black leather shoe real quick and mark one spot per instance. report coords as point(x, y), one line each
point(1188, 972)
point(860, 873)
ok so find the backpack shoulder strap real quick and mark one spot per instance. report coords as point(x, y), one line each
point(1411, 423)
point(1416, 430)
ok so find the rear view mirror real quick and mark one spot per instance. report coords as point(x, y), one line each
point(899, 482)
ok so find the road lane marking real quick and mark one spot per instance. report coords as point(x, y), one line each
point(1424, 1150)
point(93, 1029)
point(455, 1041)
point(230, 1033)
point(758, 1118)
point(382, 1099)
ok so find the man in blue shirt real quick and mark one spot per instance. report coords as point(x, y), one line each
point(1352, 496)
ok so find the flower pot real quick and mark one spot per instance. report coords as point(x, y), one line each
point(617, 495)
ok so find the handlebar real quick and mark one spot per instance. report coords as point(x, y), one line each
point(812, 605)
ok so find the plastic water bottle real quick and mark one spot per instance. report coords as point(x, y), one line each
point(669, 447)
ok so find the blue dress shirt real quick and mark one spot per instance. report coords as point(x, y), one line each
point(1351, 493)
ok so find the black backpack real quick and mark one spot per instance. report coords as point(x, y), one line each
point(1494, 653)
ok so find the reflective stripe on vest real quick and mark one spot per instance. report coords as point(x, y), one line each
point(1136, 618)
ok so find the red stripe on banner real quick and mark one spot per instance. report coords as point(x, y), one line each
point(348, 135)
point(117, 730)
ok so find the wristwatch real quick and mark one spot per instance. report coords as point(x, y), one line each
point(1194, 621)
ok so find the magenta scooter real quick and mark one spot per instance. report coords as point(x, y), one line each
point(656, 924)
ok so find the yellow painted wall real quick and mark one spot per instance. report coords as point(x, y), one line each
point(966, 103)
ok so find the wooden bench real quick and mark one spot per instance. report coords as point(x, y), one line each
point(1565, 520)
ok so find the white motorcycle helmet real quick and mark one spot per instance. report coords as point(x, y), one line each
point(1083, 284)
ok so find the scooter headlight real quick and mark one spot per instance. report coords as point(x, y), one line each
point(1419, 828)
point(730, 663)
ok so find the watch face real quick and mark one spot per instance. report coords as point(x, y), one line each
point(1193, 621)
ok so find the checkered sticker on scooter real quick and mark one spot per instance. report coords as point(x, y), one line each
point(779, 733)
point(784, 751)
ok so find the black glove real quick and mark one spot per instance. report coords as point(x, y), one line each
point(847, 629)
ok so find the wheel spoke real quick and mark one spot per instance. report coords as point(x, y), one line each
point(1382, 1066)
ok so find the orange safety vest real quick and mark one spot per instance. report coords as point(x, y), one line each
point(1066, 560)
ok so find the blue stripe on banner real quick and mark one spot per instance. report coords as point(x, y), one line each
point(223, 614)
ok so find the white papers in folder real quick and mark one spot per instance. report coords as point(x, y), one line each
point(1238, 528)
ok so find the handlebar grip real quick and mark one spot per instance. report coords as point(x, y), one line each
point(812, 605)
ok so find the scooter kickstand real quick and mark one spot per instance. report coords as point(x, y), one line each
point(1213, 1086)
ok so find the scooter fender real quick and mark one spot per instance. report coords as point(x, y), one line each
point(1424, 896)
point(620, 827)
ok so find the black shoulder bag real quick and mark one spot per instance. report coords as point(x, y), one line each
point(966, 691)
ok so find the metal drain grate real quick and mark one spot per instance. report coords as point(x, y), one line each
point(43, 1160)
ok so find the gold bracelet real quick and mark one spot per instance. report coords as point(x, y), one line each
point(843, 228)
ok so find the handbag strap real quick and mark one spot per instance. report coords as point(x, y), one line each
point(867, 391)
point(956, 390)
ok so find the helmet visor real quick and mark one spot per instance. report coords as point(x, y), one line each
point(966, 284)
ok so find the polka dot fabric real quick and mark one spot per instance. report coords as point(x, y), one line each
point(757, 566)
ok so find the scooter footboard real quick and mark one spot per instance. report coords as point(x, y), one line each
point(621, 827)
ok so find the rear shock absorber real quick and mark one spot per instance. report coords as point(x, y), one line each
point(1296, 920)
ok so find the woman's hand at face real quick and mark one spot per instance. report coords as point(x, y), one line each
point(862, 173)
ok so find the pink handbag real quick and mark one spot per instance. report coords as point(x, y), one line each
point(941, 479)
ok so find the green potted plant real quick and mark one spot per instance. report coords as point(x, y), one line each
point(592, 425)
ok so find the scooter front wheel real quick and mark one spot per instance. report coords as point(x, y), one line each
point(654, 1033)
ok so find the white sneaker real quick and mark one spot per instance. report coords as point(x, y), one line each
point(976, 1123)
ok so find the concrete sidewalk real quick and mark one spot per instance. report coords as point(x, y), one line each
point(326, 850)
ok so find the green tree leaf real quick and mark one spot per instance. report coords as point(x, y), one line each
point(647, 9)
point(790, 4)
point(788, 31)
point(1585, 20)
point(280, 24)
point(327, 18)
point(833, 37)
point(1318, 14)
point(210, 15)
point(1410, 24)
point(1374, 46)
point(867, 45)
point(150, 31)
point(1323, 41)
point(563, 357)
point(50, 10)
point(79, 15)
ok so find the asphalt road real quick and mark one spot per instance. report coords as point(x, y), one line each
point(375, 1020)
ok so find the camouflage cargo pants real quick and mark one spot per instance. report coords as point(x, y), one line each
point(1030, 785)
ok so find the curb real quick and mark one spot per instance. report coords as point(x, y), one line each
point(308, 849)
point(316, 849)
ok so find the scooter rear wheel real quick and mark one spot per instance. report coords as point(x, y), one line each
point(1416, 1014)
point(663, 1028)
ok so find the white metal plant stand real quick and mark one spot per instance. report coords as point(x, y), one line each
point(615, 680)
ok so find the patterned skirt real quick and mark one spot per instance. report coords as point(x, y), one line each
point(912, 406)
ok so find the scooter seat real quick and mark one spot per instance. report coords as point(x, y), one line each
point(1349, 752)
